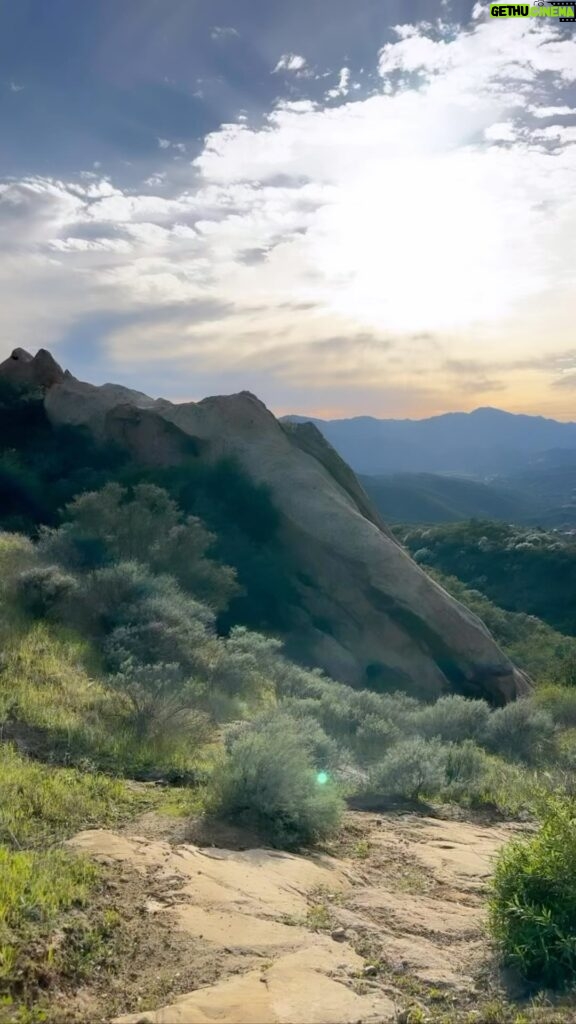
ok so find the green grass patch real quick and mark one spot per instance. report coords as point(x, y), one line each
point(40, 805)
point(50, 698)
point(36, 888)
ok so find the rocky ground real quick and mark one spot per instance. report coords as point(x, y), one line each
point(388, 926)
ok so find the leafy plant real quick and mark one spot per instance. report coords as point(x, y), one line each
point(519, 732)
point(410, 769)
point(533, 900)
point(268, 782)
point(162, 699)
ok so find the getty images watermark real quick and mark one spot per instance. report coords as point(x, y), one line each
point(539, 9)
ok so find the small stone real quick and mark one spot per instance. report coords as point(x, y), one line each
point(339, 934)
point(369, 971)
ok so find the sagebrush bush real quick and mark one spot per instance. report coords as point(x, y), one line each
point(559, 702)
point(163, 701)
point(412, 768)
point(452, 718)
point(43, 591)
point(268, 782)
point(533, 899)
point(519, 732)
point(467, 771)
point(143, 525)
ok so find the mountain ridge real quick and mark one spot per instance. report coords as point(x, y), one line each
point(485, 442)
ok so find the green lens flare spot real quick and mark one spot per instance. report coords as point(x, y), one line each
point(322, 778)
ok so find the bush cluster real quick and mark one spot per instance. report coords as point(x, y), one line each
point(533, 899)
point(272, 781)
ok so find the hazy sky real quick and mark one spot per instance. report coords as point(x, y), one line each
point(345, 206)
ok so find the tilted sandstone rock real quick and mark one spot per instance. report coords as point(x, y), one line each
point(371, 615)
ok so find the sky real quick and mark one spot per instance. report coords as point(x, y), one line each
point(347, 207)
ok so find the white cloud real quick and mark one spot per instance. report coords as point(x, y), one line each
point(562, 134)
point(435, 208)
point(290, 62)
point(552, 111)
point(14, 87)
point(343, 87)
point(503, 131)
point(220, 32)
point(180, 147)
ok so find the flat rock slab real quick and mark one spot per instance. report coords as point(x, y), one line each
point(296, 989)
point(418, 895)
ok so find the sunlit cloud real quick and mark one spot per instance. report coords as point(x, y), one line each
point(421, 238)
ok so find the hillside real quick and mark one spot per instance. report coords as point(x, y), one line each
point(165, 763)
point(520, 569)
point(435, 498)
point(486, 442)
point(330, 578)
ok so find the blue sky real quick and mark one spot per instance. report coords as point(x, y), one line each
point(363, 207)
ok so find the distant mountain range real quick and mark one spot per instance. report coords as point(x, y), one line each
point(481, 444)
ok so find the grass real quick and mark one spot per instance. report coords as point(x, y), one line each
point(40, 804)
point(36, 887)
point(50, 698)
point(55, 928)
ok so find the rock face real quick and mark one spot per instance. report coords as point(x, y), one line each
point(371, 615)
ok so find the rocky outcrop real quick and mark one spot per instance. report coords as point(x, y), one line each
point(371, 616)
point(39, 371)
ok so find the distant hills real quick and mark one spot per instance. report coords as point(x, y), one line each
point(432, 498)
point(487, 464)
point(482, 444)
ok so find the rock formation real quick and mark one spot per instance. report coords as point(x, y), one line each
point(371, 616)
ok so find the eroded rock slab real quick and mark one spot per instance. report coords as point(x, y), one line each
point(414, 905)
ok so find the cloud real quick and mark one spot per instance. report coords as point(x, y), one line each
point(559, 133)
point(567, 380)
point(167, 144)
point(14, 87)
point(379, 243)
point(504, 131)
point(220, 32)
point(564, 111)
point(343, 87)
point(290, 62)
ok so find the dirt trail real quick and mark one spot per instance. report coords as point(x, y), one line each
point(321, 940)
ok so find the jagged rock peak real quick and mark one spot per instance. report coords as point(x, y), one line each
point(40, 370)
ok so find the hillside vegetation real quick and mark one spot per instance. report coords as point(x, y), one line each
point(521, 569)
point(138, 673)
point(114, 675)
point(433, 498)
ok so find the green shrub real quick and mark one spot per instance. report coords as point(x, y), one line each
point(268, 783)
point(533, 900)
point(44, 590)
point(559, 702)
point(373, 737)
point(163, 700)
point(412, 768)
point(142, 525)
point(468, 769)
point(452, 718)
point(519, 732)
